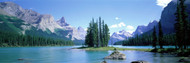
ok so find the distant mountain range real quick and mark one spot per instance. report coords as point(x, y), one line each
point(35, 22)
point(167, 20)
point(44, 25)
point(41, 24)
point(119, 36)
point(123, 35)
point(142, 28)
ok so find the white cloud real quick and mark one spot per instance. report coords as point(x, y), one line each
point(114, 26)
point(130, 27)
point(163, 3)
point(121, 24)
point(117, 18)
point(86, 29)
point(130, 31)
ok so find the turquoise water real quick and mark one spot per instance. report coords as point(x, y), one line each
point(142, 47)
point(67, 55)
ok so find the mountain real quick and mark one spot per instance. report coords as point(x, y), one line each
point(122, 35)
point(33, 18)
point(168, 18)
point(82, 32)
point(73, 33)
point(142, 28)
point(119, 36)
point(11, 24)
point(62, 22)
point(35, 23)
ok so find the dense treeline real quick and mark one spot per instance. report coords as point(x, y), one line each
point(147, 40)
point(97, 34)
point(178, 39)
point(15, 39)
point(182, 25)
point(138, 40)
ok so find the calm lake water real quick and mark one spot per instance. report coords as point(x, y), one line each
point(141, 47)
point(65, 54)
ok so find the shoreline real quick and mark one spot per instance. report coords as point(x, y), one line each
point(172, 51)
point(39, 46)
point(112, 48)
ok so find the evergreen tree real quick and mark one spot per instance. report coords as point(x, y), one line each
point(154, 38)
point(184, 17)
point(103, 34)
point(160, 35)
point(182, 25)
point(179, 26)
point(87, 39)
point(93, 34)
point(107, 34)
point(97, 36)
point(100, 31)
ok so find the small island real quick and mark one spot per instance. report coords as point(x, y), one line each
point(112, 48)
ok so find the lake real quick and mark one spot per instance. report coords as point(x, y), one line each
point(65, 54)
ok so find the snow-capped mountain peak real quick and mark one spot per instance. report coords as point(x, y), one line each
point(42, 22)
point(62, 22)
point(119, 36)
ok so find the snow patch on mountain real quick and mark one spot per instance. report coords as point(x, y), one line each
point(119, 36)
point(41, 21)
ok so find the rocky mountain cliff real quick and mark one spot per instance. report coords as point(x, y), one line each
point(119, 36)
point(73, 33)
point(62, 22)
point(43, 22)
point(30, 17)
point(142, 28)
point(168, 17)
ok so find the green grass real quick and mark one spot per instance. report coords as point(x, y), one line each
point(111, 48)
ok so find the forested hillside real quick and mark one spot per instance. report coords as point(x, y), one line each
point(11, 34)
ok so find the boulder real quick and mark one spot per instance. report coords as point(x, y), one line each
point(104, 61)
point(139, 61)
point(116, 55)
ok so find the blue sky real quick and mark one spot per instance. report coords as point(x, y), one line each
point(118, 14)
